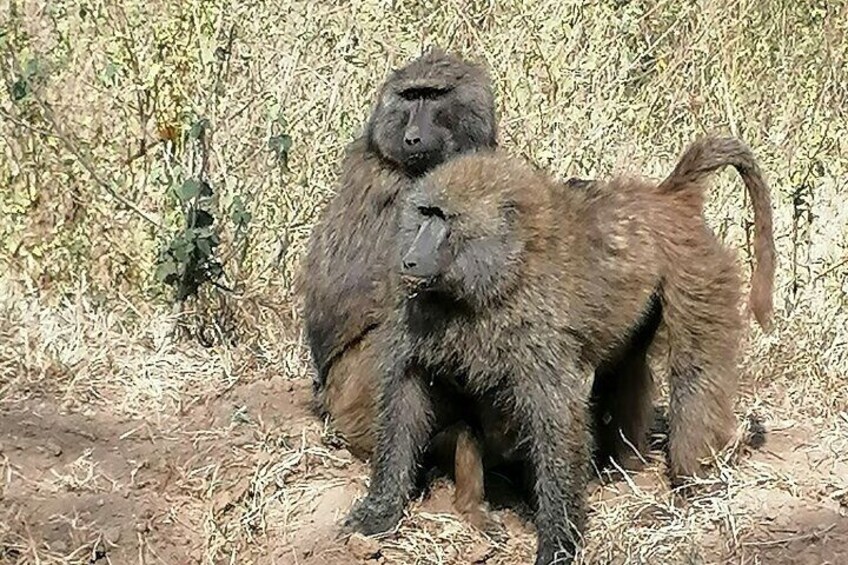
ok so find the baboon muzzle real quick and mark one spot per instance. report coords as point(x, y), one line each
point(423, 260)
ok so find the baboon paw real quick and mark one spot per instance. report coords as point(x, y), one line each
point(371, 517)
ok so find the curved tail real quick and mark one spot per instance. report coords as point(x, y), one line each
point(705, 156)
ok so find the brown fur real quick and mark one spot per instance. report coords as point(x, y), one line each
point(346, 265)
point(621, 415)
point(531, 289)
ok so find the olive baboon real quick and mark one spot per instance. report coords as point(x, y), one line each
point(524, 289)
point(436, 107)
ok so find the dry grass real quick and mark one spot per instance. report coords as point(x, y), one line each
point(221, 460)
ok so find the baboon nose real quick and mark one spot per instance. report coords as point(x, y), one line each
point(409, 264)
point(412, 135)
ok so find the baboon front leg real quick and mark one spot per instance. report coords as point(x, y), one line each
point(555, 416)
point(404, 427)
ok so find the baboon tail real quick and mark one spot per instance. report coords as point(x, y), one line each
point(709, 154)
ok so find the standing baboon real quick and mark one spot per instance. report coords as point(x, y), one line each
point(524, 289)
point(436, 107)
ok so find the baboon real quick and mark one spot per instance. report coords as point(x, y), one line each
point(523, 289)
point(436, 107)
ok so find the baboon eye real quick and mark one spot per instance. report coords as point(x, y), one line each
point(424, 92)
point(428, 211)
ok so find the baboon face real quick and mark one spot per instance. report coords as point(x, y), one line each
point(436, 107)
point(470, 252)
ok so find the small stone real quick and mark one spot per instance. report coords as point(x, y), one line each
point(363, 547)
point(59, 546)
point(113, 535)
point(142, 525)
point(54, 449)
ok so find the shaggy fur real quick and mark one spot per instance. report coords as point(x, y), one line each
point(534, 287)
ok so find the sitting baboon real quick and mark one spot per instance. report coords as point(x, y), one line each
point(436, 107)
point(522, 289)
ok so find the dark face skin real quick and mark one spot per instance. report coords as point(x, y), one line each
point(422, 121)
point(414, 132)
point(425, 141)
point(427, 256)
point(473, 266)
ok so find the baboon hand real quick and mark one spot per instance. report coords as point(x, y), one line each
point(372, 515)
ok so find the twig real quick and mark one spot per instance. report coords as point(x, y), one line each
point(821, 275)
point(812, 535)
point(143, 149)
point(25, 125)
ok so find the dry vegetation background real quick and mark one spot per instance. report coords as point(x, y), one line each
point(134, 430)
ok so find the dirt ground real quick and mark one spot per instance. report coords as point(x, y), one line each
point(252, 472)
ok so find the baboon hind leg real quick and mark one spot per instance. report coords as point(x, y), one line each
point(705, 328)
point(350, 397)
